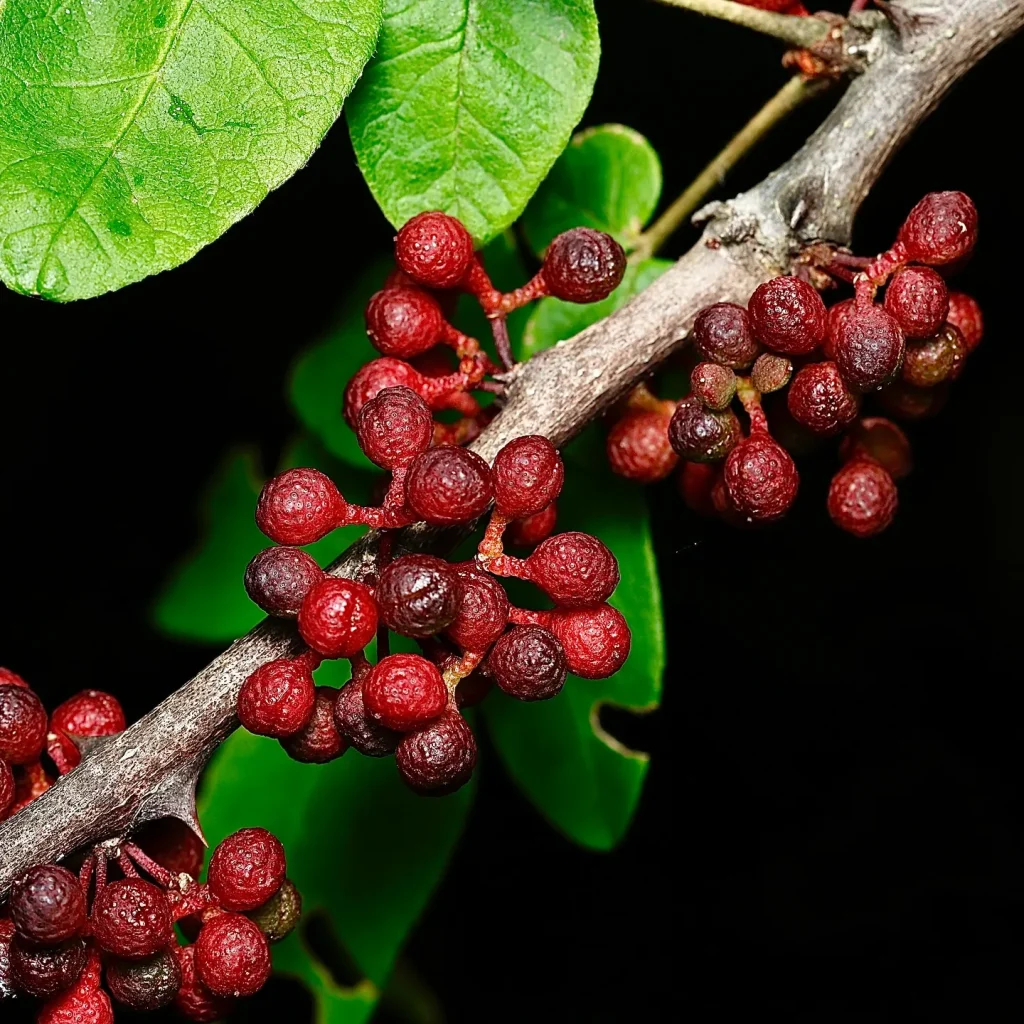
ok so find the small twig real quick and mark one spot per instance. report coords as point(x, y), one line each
point(796, 30)
point(502, 342)
point(795, 92)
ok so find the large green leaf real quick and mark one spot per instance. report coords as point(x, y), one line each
point(608, 178)
point(134, 132)
point(582, 780)
point(468, 103)
point(361, 848)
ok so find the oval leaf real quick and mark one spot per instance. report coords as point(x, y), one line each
point(581, 779)
point(608, 178)
point(468, 103)
point(134, 132)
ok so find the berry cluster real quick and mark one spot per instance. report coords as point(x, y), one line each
point(823, 363)
point(60, 945)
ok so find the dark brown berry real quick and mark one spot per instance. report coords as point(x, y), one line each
point(232, 957)
point(932, 362)
point(761, 478)
point(45, 972)
point(404, 692)
point(713, 384)
point(439, 759)
point(144, 984)
point(528, 663)
point(404, 322)
point(819, 399)
point(771, 373)
point(47, 906)
point(278, 917)
point(862, 498)
point(418, 595)
point(483, 610)
point(319, 741)
point(583, 265)
point(574, 569)
point(906, 402)
point(394, 427)
point(246, 869)
point(448, 484)
point(724, 334)
point(434, 249)
point(131, 918)
point(338, 618)
point(868, 347)
point(788, 316)
point(367, 736)
point(699, 434)
point(638, 447)
point(918, 300)
point(299, 507)
point(279, 578)
point(943, 227)
point(22, 725)
point(964, 314)
point(528, 475)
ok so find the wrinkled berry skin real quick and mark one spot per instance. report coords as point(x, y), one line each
point(771, 373)
point(232, 956)
point(435, 250)
point(882, 441)
point(246, 869)
point(89, 713)
point(277, 699)
point(574, 569)
point(47, 906)
point(6, 788)
point(724, 334)
point(528, 476)
point(438, 759)
point(394, 427)
point(942, 228)
point(868, 347)
point(862, 498)
point(278, 917)
point(132, 919)
point(529, 532)
point(338, 617)
point(373, 378)
point(932, 362)
point(596, 641)
point(144, 984)
point(299, 506)
point(583, 265)
point(45, 972)
point(403, 322)
point(418, 595)
point(713, 384)
point(761, 478)
point(22, 725)
point(194, 1000)
point(319, 740)
point(369, 737)
point(404, 691)
point(448, 484)
point(638, 448)
point(698, 434)
point(836, 315)
point(483, 610)
point(788, 316)
point(84, 1003)
point(528, 663)
point(278, 579)
point(918, 300)
point(964, 314)
point(819, 399)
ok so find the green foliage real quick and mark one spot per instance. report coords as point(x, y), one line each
point(608, 178)
point(362, 849)
point(134, 132)
point(468, 103)
point(582, 780)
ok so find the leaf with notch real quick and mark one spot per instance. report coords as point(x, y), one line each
point(134, 132)
point(468, 103)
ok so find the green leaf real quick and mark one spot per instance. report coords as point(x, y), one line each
point(468, 103)
point(361, 848)
point(608, 178)
point(553, 320)
point(134, 132)
point(581, 779)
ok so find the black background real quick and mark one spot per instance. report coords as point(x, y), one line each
point(832, 825)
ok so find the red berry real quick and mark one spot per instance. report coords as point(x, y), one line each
point(144, 984)
point(483, 610)
point(277, 699)
point(7, 788)
point(943, 227)
point(404, 691)
point(371, 379)
point(596, 641)
point(528, 532)
point(319, 740)
point(583, 265)
point(194, 1000)
point(724, 334)
point(695, 482)
point(22, 725)
point(299, 507)
point(90, 713)
point(83, 1003)
point(528, 475)
point(246, 869)
point(528, 663)
point(819, 399)
point(761, 478)
point(338, 617)
point(173, 845)
point(366, 735)
point(868, 347)
point(788, 316)
point(131, 918)
point(881, 440)
point(574, 569)
point(278, 580)
point(440, 758)
point(448, 484)
point(45, 972)
point(862, 498)
point(964, 313)
point(836, 315)
point(394, 427)
point(638, 448)
point(931, 362)
point(47, 906)
point(434, 250)
point(418, 595)
point(232, 957)
point(9, 678)
point(771, 373)
point(918, 300)
point(699, 434)
point(404, 322)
